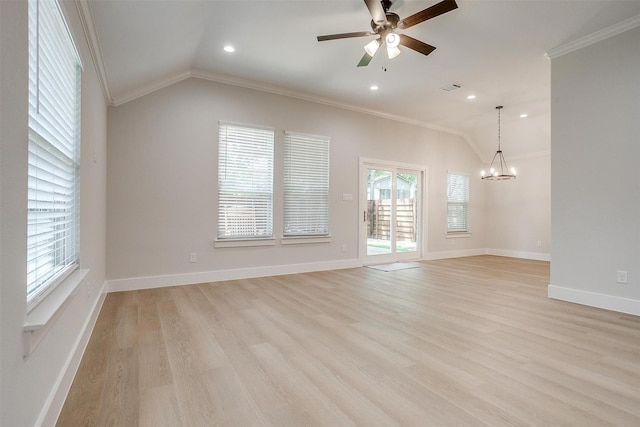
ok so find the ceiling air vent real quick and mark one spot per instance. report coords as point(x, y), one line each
point(452, 86)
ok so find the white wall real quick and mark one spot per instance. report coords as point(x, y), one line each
point(33, 388)
point(162, 175)
point(595, 195)
point(518, 213)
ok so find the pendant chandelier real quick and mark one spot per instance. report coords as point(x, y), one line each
point(498, 169)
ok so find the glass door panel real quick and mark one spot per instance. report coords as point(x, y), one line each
point(378, 214)
point(406, 211)
point(391, 213)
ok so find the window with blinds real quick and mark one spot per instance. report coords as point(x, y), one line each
point(306, 185)
point(54, 150)
point(245, 182)
point(457, 202)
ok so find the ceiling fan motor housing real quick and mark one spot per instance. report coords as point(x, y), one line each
point(391, 24)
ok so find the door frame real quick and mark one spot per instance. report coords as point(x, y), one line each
point(421, 236)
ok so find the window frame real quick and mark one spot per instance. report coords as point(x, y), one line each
point(226, 237)
point(458, 203)
point(54, 129)
point(302, 153)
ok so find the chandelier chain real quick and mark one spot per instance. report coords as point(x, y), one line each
point(499, 108)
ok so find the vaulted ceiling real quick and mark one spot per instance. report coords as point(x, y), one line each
point(493, 49)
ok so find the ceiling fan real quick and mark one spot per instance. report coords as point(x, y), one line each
point(385, 23)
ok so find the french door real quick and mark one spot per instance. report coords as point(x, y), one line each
point(391, 211)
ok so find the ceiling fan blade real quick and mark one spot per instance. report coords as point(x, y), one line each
point(430, 12)
point(416, 45)
point(365, 60)
point(344, 35)
point(377, 12)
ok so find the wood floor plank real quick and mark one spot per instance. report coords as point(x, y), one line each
point(356, 406)
point(301, 391)
point(271, 401)
point(154, 369)
point(159, 407)
point(193, 397)
point(83, 399)
point(469, 341)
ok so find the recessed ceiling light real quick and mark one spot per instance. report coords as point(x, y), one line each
point(229, 49)
point(523, 115)
point(373, 87)
point(471, 97)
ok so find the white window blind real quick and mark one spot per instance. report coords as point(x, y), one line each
point(245, 182)
point(306, 185)
point(54, 150)
point(457, 202)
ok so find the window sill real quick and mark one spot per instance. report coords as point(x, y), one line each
point(40, 318)
point(237, 243)
point(458, 235)
point(296, 240)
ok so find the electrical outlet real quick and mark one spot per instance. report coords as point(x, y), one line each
point(539, 243)
point(193, 257)
point(621, 276)
point(344, 247)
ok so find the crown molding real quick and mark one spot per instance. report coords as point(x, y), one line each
point(277, 90)
point(613, 30)
point(150, 88)
point(93, 42)
point(249, 84)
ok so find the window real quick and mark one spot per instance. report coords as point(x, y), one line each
point(53, 212)
point(306, 185)
point(245, 182)
point(457, 202)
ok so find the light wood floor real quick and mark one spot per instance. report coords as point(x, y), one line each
point(466, 342)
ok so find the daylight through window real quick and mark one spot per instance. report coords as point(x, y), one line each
point(457, 202)
point(53, 214)
point(245, 182)
point(306, 185)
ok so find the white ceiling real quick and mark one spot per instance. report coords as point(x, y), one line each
point(494, 48)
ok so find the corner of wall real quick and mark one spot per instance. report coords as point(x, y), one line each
point(594, 299)
point(51, 410)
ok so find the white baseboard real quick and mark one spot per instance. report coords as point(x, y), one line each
point(454, 254)
point(538, 256)
point(488, 251)
point(593, 299)
point(55, 401)
point(149, 282)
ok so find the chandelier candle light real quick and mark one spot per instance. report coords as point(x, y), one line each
point(500, 171)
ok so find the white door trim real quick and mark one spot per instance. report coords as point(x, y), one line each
point(364, 164)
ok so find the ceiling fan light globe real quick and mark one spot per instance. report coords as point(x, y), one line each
point(372, 47)
point(392, 52)
point(392, 40)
